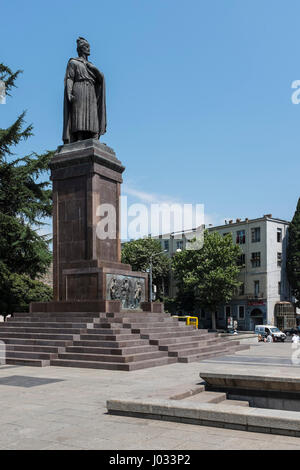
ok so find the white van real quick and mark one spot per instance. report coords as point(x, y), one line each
point(264, 330)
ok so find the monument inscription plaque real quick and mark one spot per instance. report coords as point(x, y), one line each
point(130, 290)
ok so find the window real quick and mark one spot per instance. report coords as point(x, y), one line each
point(179, 245)
point(241, 260)
point(279, 288)
point(242, 289)
point(255, 235)
point(279, 259)
point(255, 259)
point(241, 237)
point(241, 312)
point(227, 310)
point(166, 245)
point(256, 288)
point(279, 235)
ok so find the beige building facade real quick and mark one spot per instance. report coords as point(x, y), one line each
point(264, 296)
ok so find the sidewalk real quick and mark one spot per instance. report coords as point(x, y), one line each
point(68, 410)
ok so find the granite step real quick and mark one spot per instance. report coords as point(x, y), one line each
point(162, 329)
point(22, 335)
point(235, 403)
point(153, 324)
point(111, 344)
point(44, 325)
point(187, 345)
point(198, 350)
point(207, 397)
point(29, 355)
point(113, 351)
point(180, 338)
point(36, 342)
point(35, 348)
point(57, 314)
point(207, 355)
point(111, 358)
point(113, 366)
point(151, 363)
point(172, 334)
point(89, 364)
point(20, 361)
point(107, 331)
point(119, 337)
point(31, 329)
point(51, 320)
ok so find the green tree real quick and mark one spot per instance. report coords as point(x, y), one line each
point(18, 290)
point(208, 277)
point(25, 199)
point(293, 254)
point(137, 253)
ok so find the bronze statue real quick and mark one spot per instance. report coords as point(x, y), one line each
point(84, 98)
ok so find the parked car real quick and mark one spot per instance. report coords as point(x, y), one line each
point(265, 330)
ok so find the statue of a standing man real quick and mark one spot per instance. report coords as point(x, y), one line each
point(84, 98)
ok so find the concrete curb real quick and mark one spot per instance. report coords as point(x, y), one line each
point(208, 414)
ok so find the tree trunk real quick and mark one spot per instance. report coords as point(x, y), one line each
point(213, 320)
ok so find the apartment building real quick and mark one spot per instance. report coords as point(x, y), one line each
point(264, 295)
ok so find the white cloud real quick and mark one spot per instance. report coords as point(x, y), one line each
point(150, 198)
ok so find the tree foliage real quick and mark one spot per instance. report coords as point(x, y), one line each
point(293, 254)
point(18, 290)
point(137, 253)
point(25, 199)
point(207, 277)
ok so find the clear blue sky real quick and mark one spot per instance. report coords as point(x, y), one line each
point(198, 93)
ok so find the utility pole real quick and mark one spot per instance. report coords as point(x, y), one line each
point(150, 279)
point(150, 273)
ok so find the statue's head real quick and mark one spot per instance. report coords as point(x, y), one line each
point(83, 46)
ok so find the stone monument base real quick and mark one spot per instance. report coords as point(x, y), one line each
point(91, 280)
point(97, 306)
point(87, 264)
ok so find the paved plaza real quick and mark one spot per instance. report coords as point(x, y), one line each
point(65, 408)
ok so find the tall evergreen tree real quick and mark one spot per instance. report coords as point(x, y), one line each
point(25, 199)
point(293, 255)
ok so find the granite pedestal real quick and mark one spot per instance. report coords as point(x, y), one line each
point(86, 179)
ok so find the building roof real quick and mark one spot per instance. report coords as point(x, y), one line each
point(238, 222)
point(248, 221)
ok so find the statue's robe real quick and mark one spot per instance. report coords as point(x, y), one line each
point(87, 112)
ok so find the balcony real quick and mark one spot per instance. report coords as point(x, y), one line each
point(249, 297)
point(257, 295)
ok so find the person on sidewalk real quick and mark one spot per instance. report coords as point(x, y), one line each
point(269, 338)
point(295, 338)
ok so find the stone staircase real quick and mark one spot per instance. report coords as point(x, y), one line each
point(117, 341)
point(216, 398)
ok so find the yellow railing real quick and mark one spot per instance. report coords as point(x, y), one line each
point(192, 321)
point(188, 319)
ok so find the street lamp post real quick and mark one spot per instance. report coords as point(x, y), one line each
point(150, 272)
point(150, 279)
